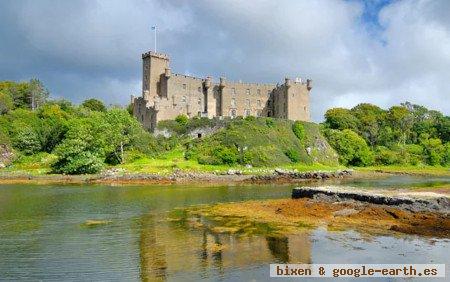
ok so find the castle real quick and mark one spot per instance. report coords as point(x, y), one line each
point(166, 95)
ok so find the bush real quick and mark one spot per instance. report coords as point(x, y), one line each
point(270, 122)
point(385, 156)
point(226, 155)
point(75, 158)
point(27, 141)
point(352, 148)
point(299, 130)
point(293, 155)
point(182, 120)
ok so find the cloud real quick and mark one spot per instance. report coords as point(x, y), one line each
point(355, 51)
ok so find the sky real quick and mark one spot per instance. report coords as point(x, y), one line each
point(376, 51)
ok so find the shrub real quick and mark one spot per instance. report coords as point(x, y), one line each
point(226, 155)
point(385, 156)
point(182, 120)
point(352, 148)
point(27, 141)
point(270, 122)
point(299, 130)
point(75, 158)
point(293, 155)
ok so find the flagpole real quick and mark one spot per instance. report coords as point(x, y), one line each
point(155, 38)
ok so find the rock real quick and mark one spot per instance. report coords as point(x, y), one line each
point(234, 172)
point(248, 166)
point(409, 201)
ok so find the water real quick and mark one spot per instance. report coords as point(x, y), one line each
point(43, 236)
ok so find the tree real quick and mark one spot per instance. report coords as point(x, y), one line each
point(401, 121)
point(370, 121)
point(84, 148)
point(6, 103)
point(94, 105)
point(38, 94)
point(433, 149)
point(352, 149)
point(339, 118)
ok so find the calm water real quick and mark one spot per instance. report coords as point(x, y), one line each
point(42, 236)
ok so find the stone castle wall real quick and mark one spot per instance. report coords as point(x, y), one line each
point(167, 95)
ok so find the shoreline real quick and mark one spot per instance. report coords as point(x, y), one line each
point(279, 176)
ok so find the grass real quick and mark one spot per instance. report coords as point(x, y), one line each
point(38, 164)
point(174, 159)
point(409, 169)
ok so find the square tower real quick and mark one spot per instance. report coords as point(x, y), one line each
point(155, 66)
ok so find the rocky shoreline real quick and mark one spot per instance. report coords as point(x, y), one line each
point(410, 201)
point(117, 176)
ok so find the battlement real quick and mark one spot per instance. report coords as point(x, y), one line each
point(155, 55)
point(188, 76)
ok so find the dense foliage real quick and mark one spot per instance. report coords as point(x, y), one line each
point(83, 138)
point(405, 134)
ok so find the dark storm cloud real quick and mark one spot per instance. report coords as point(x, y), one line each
point(86, 48)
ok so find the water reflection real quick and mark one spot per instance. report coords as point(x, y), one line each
point(152, 253)
point(168, 248)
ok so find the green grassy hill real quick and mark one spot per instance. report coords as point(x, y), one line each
point(258, 142)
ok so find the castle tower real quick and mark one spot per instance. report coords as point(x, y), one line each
point(155, 67)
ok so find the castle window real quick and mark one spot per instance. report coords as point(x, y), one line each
point(184, 86)
point(258, 91)
point(247, 91)
point(247, 102)
point(142, 117)
point(199, 101)
point(233, 91)
point(233, 113)
point(258, 113)
point(259, 103)
point(233, 102)
point(304, 108)
point(247, 112)
point(183, 99)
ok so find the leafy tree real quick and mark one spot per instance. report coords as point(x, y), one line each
point(370, 121)
point(401, 121)
point(433, 149)
point(27, 141)
point(38, 94)
point(26, 95)
point(339, 118)
point(75, 157)
point(6, 103)
point(94, 105)
point(352, 149)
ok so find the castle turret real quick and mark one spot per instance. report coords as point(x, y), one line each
point(154, 70)
point(287, 82)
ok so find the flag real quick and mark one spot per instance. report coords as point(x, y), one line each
point(154, 27)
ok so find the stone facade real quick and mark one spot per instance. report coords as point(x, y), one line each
point(166, 95)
